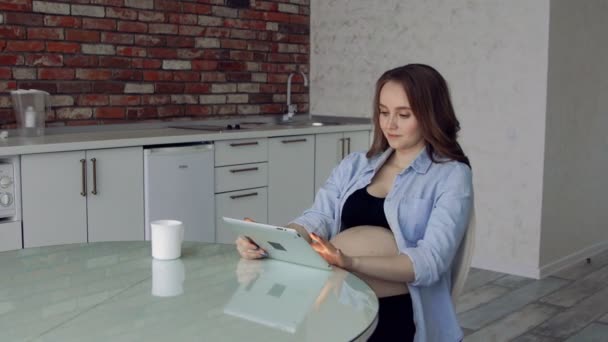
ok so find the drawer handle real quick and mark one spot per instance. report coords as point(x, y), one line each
point(244, 195)
point(244, 144)
point(293, 141)
point(245, 170)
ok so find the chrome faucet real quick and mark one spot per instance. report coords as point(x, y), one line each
point(292, 108)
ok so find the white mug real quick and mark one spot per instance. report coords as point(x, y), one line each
point(168, 277)
point(167, 237)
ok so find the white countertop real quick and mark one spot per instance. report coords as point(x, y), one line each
point(136, 134)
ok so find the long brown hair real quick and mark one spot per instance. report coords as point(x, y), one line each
point(429, 99)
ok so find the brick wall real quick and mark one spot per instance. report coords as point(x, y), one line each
point(108, 61)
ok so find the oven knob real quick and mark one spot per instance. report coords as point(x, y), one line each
point(5, 181)
point(6, 199)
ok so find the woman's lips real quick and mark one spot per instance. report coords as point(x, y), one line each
point(392, 136)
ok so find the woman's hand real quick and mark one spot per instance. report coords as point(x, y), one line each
point(330, 253)
point(249, 249)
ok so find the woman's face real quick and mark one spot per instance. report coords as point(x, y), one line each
point(397, 121)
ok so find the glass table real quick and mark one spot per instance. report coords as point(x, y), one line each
point(115, 291)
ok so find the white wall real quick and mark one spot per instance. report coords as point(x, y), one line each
point(575, 213)
point(493, 54)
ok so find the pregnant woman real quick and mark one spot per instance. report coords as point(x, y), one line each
point(395, 216)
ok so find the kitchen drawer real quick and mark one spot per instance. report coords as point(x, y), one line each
point(237, 177)
point(242, 151)
point(252, 203)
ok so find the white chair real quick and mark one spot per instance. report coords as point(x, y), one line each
point(462, 260)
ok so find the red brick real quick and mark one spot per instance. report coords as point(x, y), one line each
point(233, 44)
point(238, 77)
point(141, 63)
point(188, 30)
point(197, 110)
point(232, 66)
point(99, 24)
point(109, 87)
point(155, 99)
point(27, 19)
point(299, 19)
point(62, 21)
point(131, 51)
point(115, 3)
point(26, 46)
point(260, 98)
point(2, 44)
point(92, 100)
point(279, 57)
point(204, 65)
point(180, 41)
point(196, 8)
point(16, 5)
point(110, 113)
point(127, 75)
point(168, 6)
point(271, 108)
point(80, 61)
point(245, 24)
point(220, 32)
point(250, 14)
point(197, 88)
point(5, 73)
point(266, 6)
point(298, 39)
point(11, 60)
point(268, 88)
point(12, 32)
point(93, 74)
point(170, 111)
point(62, 47)
point(127, 26)
point(190, 53)
point(186, 76)
point(124, 100)
point(162, 53)
point(163, 28)
point(278, 78)
point(213, 77)
point(146, 40)
point(121, 13)
point(114, 62)
point(117, 38)
point(82, 36)
point(184, 19)
point(241, 55)
point(44, 33)
point(169, 88)
point(72, 87)
point(258, 46)
point(151, 16)
point(158, 76)
point(301, 59)
point(48, 86)
point(56, 74)
point(276, 16)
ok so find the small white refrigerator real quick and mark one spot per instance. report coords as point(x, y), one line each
point(179, 185)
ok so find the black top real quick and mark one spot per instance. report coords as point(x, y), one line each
point(361, 208)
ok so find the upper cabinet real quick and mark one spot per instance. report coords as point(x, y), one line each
point(331, 148)
point(80, 196)
point(290, 177)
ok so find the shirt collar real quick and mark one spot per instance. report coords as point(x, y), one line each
point(421, 163)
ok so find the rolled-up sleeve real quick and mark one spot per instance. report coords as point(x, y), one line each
point(448, 221)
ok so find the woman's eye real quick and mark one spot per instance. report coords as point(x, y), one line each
point(383, 113)
point(404, 115)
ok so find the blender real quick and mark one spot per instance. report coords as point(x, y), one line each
point(31, 107)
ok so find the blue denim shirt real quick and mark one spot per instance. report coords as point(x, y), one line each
point(428, 211)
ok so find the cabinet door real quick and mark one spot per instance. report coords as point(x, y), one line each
point(252, 203)
point(357, 141)
point(291, 174)
point(54, 210)
point(329, 151)
point(116, 209)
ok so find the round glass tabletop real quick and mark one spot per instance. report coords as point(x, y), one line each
point(115, 291)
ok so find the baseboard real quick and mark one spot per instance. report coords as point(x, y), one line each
point(502, 267)
point(572, 259)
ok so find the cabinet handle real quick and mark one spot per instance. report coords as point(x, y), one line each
point(94, 161)
point(347, 146)
point(83, 164)
point(293, 141)
point(244, 144)
point(244, 170)
point(342, 142)
point(244, 195)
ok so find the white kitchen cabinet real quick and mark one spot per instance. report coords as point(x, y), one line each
point(331, 148)
point(82, 196)
point(291, 173)
point(251, 203)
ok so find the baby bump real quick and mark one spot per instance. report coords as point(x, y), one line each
point(371, 241)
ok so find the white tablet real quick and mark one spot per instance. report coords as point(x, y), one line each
point(281, 243)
